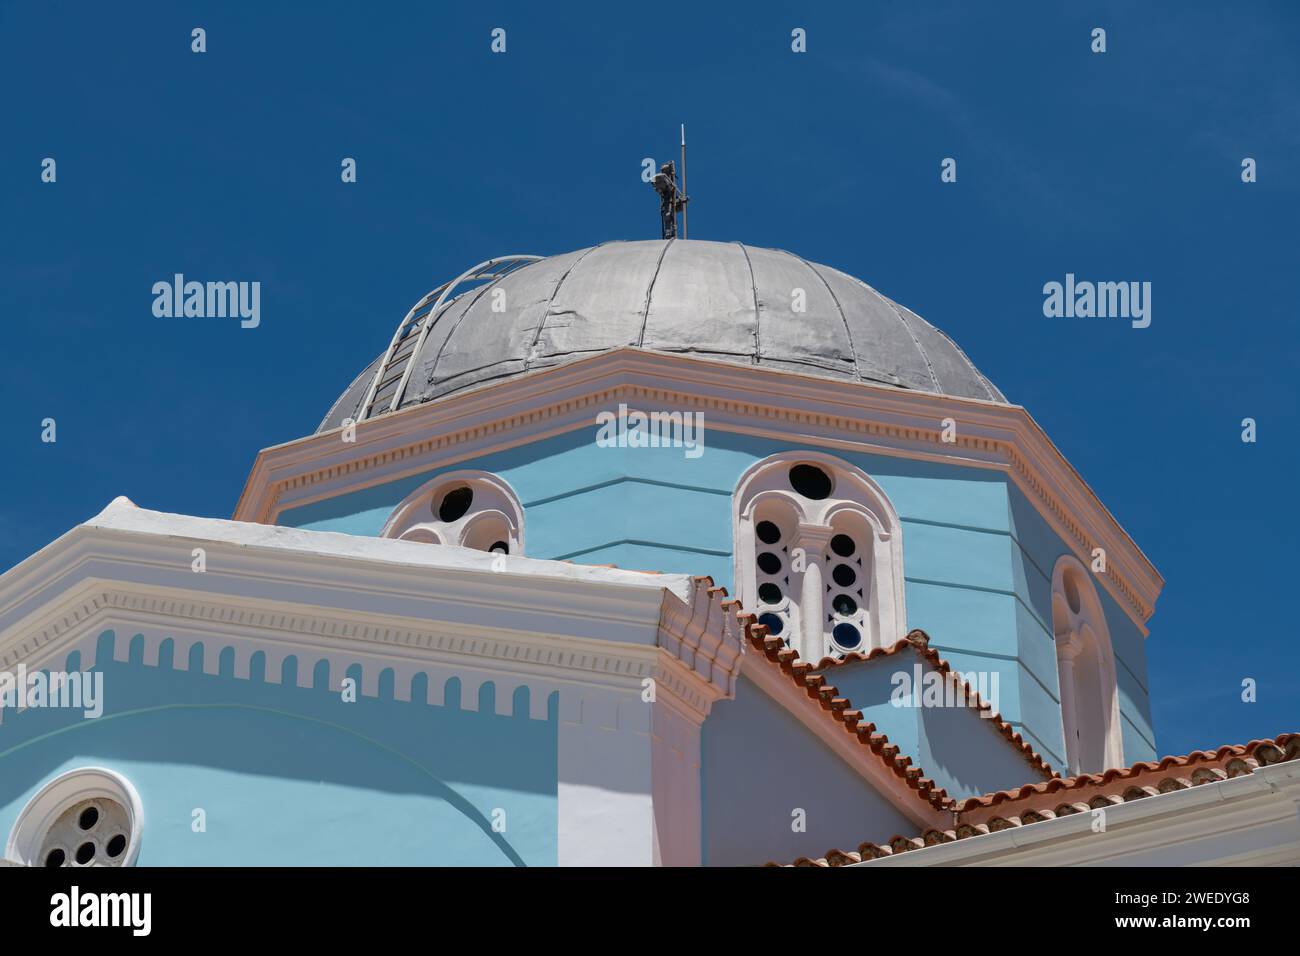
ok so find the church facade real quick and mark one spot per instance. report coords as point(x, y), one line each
point(653, 553)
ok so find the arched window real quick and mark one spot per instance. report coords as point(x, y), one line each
point(472, 509)
point(1085, 665)
point(819, 555)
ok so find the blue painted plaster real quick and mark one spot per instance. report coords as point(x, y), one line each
point(977, 556)
point(956, 748)
point(758, 765)
point(296, 776)
point(1037, 549)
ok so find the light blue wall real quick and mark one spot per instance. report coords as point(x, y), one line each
point(758, 764)
point(959, 750)
point(295, 776)
point(974, 549)
point(1036, 551)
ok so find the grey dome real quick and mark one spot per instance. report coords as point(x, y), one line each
point(716, 300)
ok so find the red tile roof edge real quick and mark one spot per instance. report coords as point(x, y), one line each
point(1084, 780)
point(919, 641)
point(1231, 760)
point(838, 708)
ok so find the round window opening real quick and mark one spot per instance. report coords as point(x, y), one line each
point(843, 575)
point(769, 563)
point(91, 833)
point(773, 623)
point(455, 503)
point(810, 481)
point(769, 593)
point(846, 636)
point(85, 818)
point(843, 545)
point(768, 532)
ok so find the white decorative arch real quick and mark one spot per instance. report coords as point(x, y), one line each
point(856, 507)
point(1085, 662)
point(495, 515)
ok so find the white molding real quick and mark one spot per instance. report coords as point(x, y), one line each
point(746, 399)
point(885, 608)
point(332, 575)
point(493, 496)
point(60, 795)
point(628, 784)
point(1247, 820)
point(1087, 625)
point(296, 594)
point(705, 636)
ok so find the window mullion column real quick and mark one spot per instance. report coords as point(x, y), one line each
point(810, 541)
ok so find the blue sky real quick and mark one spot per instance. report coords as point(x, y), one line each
point(1119, 166)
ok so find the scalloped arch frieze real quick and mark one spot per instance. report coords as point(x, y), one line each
point(227, 640)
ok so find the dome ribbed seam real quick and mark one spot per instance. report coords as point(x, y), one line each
point(649, 291)
point(853, 349)
point(537, 333)
point(907, 325)
point(433, 366)
point(753, 283)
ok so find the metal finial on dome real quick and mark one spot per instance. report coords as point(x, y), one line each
point(672, 198)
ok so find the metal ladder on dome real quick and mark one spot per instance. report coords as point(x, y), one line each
point(388, 384)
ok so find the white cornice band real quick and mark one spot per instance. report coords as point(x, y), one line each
point(390, 605)
point(350, 600)
point(1250, 820)
point(743, 399)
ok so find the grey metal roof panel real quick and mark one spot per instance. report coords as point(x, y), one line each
point(951, 369)
point(816, 336)
point(346, 406)
point(886, 349)
point(486, 344)
point(702, 301)
point(719, 300)
point(601, 303)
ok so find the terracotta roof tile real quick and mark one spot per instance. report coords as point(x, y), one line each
point(837, 707)
point(1005, 809)
point(1034, 803)
point(919, 641)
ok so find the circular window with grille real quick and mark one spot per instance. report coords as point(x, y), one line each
point(468, 509)
point(87, 817)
